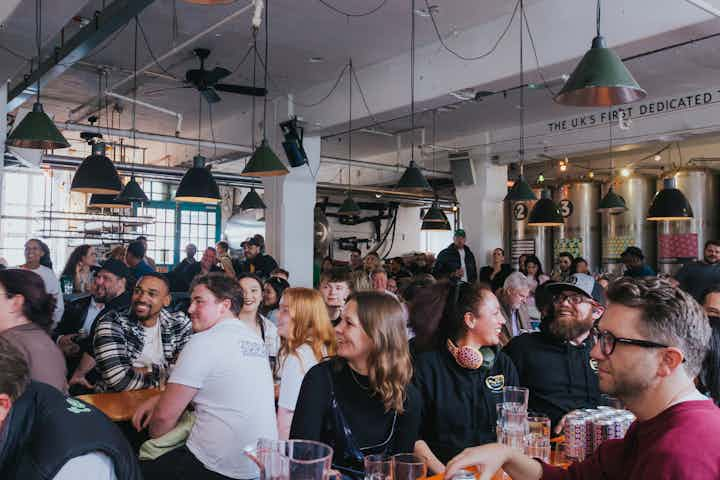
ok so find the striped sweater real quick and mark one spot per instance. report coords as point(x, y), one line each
point(119, 340)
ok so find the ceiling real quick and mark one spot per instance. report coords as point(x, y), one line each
point(300, 31)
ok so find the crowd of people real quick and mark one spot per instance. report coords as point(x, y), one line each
point(384, 356)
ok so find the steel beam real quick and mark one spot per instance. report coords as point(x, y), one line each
point(103, 25)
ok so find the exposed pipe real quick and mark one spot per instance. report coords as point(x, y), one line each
point(705, 6)
point(374, 165)
point(154, 137)
point(177, 115)
point(185, 44)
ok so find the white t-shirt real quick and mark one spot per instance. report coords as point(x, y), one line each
point(152, 353)
point(272, 339)
point(235, 403)
point(92, 312)
point(95, 465)
point(461, 251)
point(52, 286)
point(292, 372)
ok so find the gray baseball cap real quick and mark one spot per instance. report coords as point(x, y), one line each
point(581, 283)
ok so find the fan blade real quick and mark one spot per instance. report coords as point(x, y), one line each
point(210, 95)
point(216, 74)
point(241, 89)
point(194, 76)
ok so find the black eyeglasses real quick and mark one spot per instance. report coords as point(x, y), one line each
point(608, 341)
point(575, 299)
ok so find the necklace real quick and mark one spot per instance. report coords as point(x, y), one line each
point(352, 372)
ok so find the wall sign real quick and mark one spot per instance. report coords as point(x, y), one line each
point(520, 211)
point(566, 208)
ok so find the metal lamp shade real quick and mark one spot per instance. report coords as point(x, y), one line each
point(349, 207)
point(99, 200)
point(132, 192)
point(37, 130)
point(198, 184)
point(413, 180)
point(520, 192)
point(97, 174)
point(252, 201)
point(435, 214)
point(670, 204)
point(545, 213)
point(612, 203)
point(600, 80)
point(437, 226)
point(264, 163)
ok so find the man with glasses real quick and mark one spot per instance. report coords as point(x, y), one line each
point(650, 346)
point(555, 363)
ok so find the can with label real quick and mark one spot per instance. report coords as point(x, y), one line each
point(464, 475)
point(575, 431)
point(603, 429)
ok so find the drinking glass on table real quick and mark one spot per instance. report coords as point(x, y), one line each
point(512, 425)
point(378, 467)
point(537, 439)
point(518, 395)
point(292, 459)
point(406, 466)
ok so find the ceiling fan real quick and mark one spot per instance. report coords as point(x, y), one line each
point(206, 81)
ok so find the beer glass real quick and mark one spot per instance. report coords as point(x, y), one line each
point(518, 395)
point(378, 467)
point(537, 439)
point(406, 466)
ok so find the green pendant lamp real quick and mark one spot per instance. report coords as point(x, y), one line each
point(600, 79)
point(198, 184)
point(670, 204)
point(435, 218)
point(132, 192)
point(349, 207)
point(264, 162)
point(252, 201)
point(611, 203)
point(545, 213)
point(97, 174)
point(436, 226)
point(520, 191)
point(412, 180)
point(99, 200)
point(37, 130)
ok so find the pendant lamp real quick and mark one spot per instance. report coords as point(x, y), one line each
point(413, 181)
point(349, 207)
point(670, 204)
point(132, 192)
point(97, 174)
point(545, 213)
point(611, 203)
point(37, 130)
point(264, 162)
point(198, 184)
point(435, 218)
point(252, 201)
point(436, 226)
point(99, 200)
point(521, 191)
point(600, 79)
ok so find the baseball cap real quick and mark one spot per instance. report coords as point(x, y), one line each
point(581, 283)
point(460, 233)
point(254, 241)
point(116, 267)
point(633, 251)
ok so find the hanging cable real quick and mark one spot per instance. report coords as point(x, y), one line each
point(350, 14)
point(244, 58)
point(362, 96)
point(522, 93)
point(134, 91)
point(412, 80)
point(464, 57)
point(252, 115)
point(38, 40)
point(349, 134)
point(152, 54)
point(267, 49)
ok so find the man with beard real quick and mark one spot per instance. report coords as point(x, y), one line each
point(697, 277)
point(257, 262)
point(555, 363)
point(650, 346)
point(135, 347)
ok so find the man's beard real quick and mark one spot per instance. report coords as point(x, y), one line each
point(568, 328)
point(104, 298)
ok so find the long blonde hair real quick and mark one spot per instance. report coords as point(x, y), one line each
point(389, 367)
point(311, 324)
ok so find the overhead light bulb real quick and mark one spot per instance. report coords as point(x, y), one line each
point(591, 174)
point(657, 158)
point(625, 172)
point(563, 167)
point(540, 178)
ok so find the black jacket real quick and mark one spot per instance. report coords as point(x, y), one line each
point(45, 430)
point(73, 317)
point(261, 266)
point(561, 376)
point(498, 280)
point(448, 261)
point(459, 405)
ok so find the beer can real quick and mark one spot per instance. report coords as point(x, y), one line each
point(603, 429)
point(575, 431)
point(464, 475)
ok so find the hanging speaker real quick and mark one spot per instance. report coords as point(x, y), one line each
point(462, 169)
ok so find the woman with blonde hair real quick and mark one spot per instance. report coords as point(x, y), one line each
point(361, 402)
point(306, 338)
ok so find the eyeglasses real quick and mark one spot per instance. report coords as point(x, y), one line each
point(608, 341)
point(575, 299)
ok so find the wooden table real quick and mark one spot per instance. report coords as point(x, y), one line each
point(119, 406)
point(499, 474)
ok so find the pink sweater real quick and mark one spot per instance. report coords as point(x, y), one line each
point(683, 442)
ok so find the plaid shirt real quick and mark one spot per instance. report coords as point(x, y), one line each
point(119, 340)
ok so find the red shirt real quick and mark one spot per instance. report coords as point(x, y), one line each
point(683, 442)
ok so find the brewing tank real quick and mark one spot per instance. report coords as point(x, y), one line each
point(629, 228)
point(580, 235)
point(525, 239)
point(680, 242)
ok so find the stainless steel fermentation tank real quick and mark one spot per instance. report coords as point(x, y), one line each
point(629, 228)
point(525, 239)
point(578, 202)
point(682, 241)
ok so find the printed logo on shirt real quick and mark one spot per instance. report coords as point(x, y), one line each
point(594, 365)
point(253, 349)
point(76, 406)
point(495, 383)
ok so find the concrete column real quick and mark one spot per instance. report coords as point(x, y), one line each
point(289, 220)
point(481, 209)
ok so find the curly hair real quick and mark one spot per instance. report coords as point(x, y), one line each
point(311, 324)
point(389, 367)
point(669, 316)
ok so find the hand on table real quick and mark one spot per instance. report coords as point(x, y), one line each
point(487, 458)
point(79, 379)
point(142, 416)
